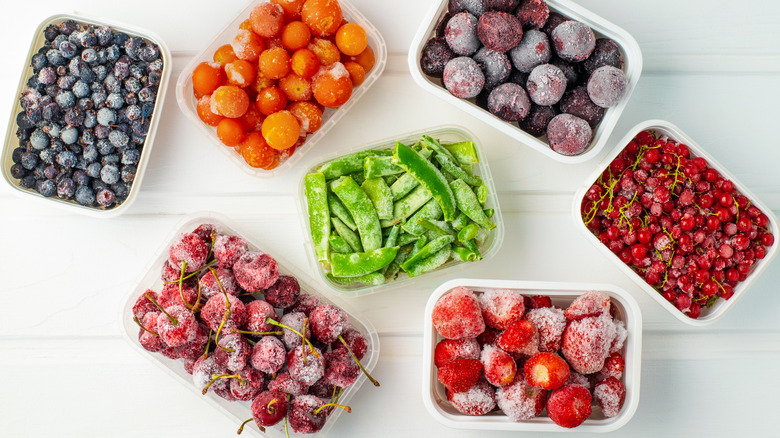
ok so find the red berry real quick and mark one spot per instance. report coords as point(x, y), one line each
point(457, 315)
point(460, 374)
point(450, 349)
point(569, 406)
point(610, 395)
point(546, 371)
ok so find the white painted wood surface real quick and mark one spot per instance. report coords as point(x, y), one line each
point(711, 67)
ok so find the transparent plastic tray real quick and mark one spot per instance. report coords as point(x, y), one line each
point(330, 116)
point(237, 410)
point(562, 294)
point(632, 56)
point(446, 134)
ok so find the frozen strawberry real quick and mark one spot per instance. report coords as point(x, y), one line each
point(457, 315)
point(255, 271)
point(620, 336)
point(176, 326)
point(576, 378)
point(613, 367)
point(144, 305)
point(537, 301)
point(520, 337)
point(355, 340)
point(610, 395)
point(499, 367)
point(488, 337)
point(550, 323)
point(286, 384)
point(586, 343)
point(305, 364)
point(284, 292)
point(460, 374)
point(478, 400)
point(257, 314)
point(172, 295)
point(269, 407)
point(546, 370)
point(501, 307)
point(190, 249)
point(568, 406)
point(340, 369)
point(327, 322)
point(268, 355)
point(233, 352)
point(521, 401)
point(209, 286)
point(228, 249)
point(451, 349)
point(591, 303)
point(223, 307)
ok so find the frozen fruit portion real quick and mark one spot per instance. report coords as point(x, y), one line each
point(573, 41)
point(268, 355)
point(233, 352)
point(534, 49)
point(501, 307)
point(546, 370)
point(502, 5)
point(535, 123)
point(286, 384)
point(255, 271)
point(568, 134)
point(499, 367)
point(550, 322)
point(257, 314)
point(340, 369)
point(223, 310)
point(176, 326)
point(460, 374)
point(228, 249)
point(457, 315)
point(269, 407)
point(294, 322)
point(476, 7)
point(509, 101)
point(355, 341)
point(248, 385)
point(586, 343)
point(223, 282)
point(305, 364)
point(610, 395)
point(478, 400)
point(533, 13)
point(499, 31)
point(328, 322)
point(284, 292)
point(451, 349)
point(306, 415)
point(591, 303)
point(520, 337)
point(461, 34)
point(607, 85)
point(144, 304)
point(190, 249)
point(435, 55)
point(463, 78)
point(606, 52)
point(147, 333)
point(577, 103)
point(576, 378)
point(620, 336)
point(546, 84)
point(569, 405)
point(613, 367)
point(520, 401)
point(496, 66)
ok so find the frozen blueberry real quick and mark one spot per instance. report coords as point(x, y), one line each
point(461, 34)
point(149, 53)
point(81, 178)
point(66, 188)
point(101, 131)
point(93, 170)
point(55, 58)
point(509, 101)
point(67, 27)
point(28, 182)
point(607, 85)
point(535, 123)
point(89, 56)
point(147, 109)
point(499, 31)
point(128, 172)
point(121, 189)
point(50, 32)
point(101, 71)
point(22, 121)
point(67, 49)
point(502, 5)
point(109, 174)
point(87, 137)
point(50, 172)
point(48, 155)
point(141, 126)
point(104, 35)
point(577, 102)
point(475, 7)
point(546, 84)
point(18, 171)
point(98, 98)
point(85, 104)
point(87, 38)
point(90, 153)
point(495, 65)
point(65, 99)
point(533, 13)
point(133, 47)
point(58, 39)
point(39, 139)
point(573, 41)
point(131, 156)
point(73, 116)
point(154, 77)
point(463, 78)
point(47, 76)
point(80, 89)
point(51, 112)
point(122, 67)
point(115, 101)
point(69, 135)
point(606, 52)
point(114, 158)
point(66, 82)
point(66, 159)
point(435, 55)
point(16, 155)
point(105, 197)
point(85, 195)
point(118, 138)
point(112, 84)
point(46, 188)
point(113, 52)
point(534, 49)
point(568, 134)
point(106, 117)
point(90, 120)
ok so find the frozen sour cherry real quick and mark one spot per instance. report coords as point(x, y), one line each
point(463, 78)
point(607, 85)
point(461, 34)
point(568, 134)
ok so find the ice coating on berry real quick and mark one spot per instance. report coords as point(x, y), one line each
point(255, 271)
point(321, 388)
point(169, 273)
point(196, 347)
point(460, 374)
point(327, 322)
point(502, 5)
point(553, 20)
point(204, 370)
point(355, 340)
point(209, 286)
point(520, 401)
point(172, 295)
point(143, 305)
point(301, 416)
point(216, 309)
point(305, 304)
point(461, 34)
point(569, 405)
point(478, 400)
point(606, 52)
point(228, 249)
point(463, 78)
point(535, 123)
point(620, 336)
point(284, 292)
point(568, 134)
point(613, 367)
point(451, 349)
point(576, 378)
point(189, 248)
point(610, 394)
point(550, 323)
point(509, 101)
point(586, 343)
point(307, 368)
point(286, 384)
point(520, 337)
point(533, 13)
point(499, 367)
point(499, 31)
point(257, 314)
point(294, 320)
point(249, 387)
point(457, 315)
point(534, 49)
point(269, 407)
point(178, 328)
point(149, 339)
point(591, 303)
point(435, 55)
point(205, 231)
point(501, 307)
point(573, 41)
point(340, 369)
point(234, 351)
point(268, 355)
point(607, 85)
point(577, 103)
point(496, 66)
point(475, 7)
point(546, 84)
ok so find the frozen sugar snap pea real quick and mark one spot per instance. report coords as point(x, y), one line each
point(362, 210)
point(379, 194)
point(470, 205)
point(361, 263)
point(349, 164)
point(428, 176)
point(319, 216)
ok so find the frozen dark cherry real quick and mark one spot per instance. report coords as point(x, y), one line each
point(188, 248)
point(499, 31)
point(328, 322)
point(255, 271)
point(284, 292)
point(228, 249)
point(533, 13)
point(269, 407)
point(577, 102)
point(435, 55)
point(568, 134)
point(573, 41)
point(535, 123)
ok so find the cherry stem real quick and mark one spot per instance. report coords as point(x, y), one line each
point(270, 406)
point(279, 324)
point(208, 342)
point(226, 315)
point(349, 350)
point(303, 334)
point(190, 275)
point(181, 288)
point(216, 377)
point(241, 429)
point(149, 297)
point(286, 428)
point(346, 408)
point(247, 332)
point(135, 319)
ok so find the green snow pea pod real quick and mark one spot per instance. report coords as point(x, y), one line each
point(461, 220)
point(338, 210)
point(380, 166)
point(428, 176)
point(392, 237)
point(438, 227)
point(468, 233)
point(428, 250)
point(456, 171)
point(464, 152)
point(390, 179)
point(431, 210)
point(406, 238)
point(405, 207)
point(361, 263)
point(418, 245)
point(435, 146)
point(372, 279)
point(464, 254)
point(362, 210)
point(471, 245)
point(482, 193)
point(379, 194)
point(350, 163)
point(349, 236)
point(430, 263)
point(391, 270)
point(339, 245)
point(403, 185)
point(489, 212)
point(469, 204)
point(319, 215)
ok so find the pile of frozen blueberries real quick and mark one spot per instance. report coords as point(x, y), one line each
point(527, 64)
point(86, 112)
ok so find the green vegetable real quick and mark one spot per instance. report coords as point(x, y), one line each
point(431, 210)
point(438, 227)
point(403, 185)
point(406, 238)
point(481, 193)
point(456, 171)
point(319, 215)
point(372, 279)
point(391, 270)
point(338, 244)
point(464, 152)
point(436, 147)
point(464, 254)
point(468, 232)
point(392, 237)
point(428, 250)
point(428, 176)
point(349, 236)
point(430, 263)
point(460, 221)
point(361, 263)
point(375, 167)
point(380, 196)
point(338, 210)
point(471, 245)
point(349, 164)
point(362, 210)
point(469, 204)
point(408, 205)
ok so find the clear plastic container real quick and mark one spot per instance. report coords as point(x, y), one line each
point(450, 134)
point(632, 67)
point(330, 116)
point(721, 306)
point(562, 294)
point(11, 141)
point(237, 410)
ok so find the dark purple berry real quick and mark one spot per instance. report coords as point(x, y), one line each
point(39, 139)
point(475, 7)
point(577, 102)
point(149, 53)
point(131, 156)
point(568, 134)
point(128, 173)
point(502, 5)
point(535, 123)
point(66, 159)
point(66, 188)
point(552, 22)
point(81, 178)
point(461, 34)
point(435, 55)
point(546, 84)
point(18, 171)
point(105, 197)
point(606, 52)
point(47, 76)
point(67, 27)
point(50, 172)
point(442, 24)
point(499, 31)
point(462, 77)
point(495, 66)
point(606, 86)
point(509, 101)
point(46, 188)
point(51, 32)
point(85, 196)
point(533, 49)
point(109, 174)
point(533, 13)
point(573, 41)
point(572, 70)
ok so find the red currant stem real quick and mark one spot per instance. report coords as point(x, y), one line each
point(188, 276)
point(226, 315)
point(208, 342)
point(279, 324)
point(346, 408)
point(181, 290)
point(149, 297)
point(135, 319)
point(241, 429)
point(247, 332)
point(222, 376)
point(349, 350)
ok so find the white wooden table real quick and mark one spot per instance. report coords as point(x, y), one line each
point(710, 66)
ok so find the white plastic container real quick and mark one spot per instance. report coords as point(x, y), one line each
point(237, 410)
point(447, 134)
point(632, 67)
point(561, 294)
point(721, 306)
point(330, 116)
point(11, 141)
